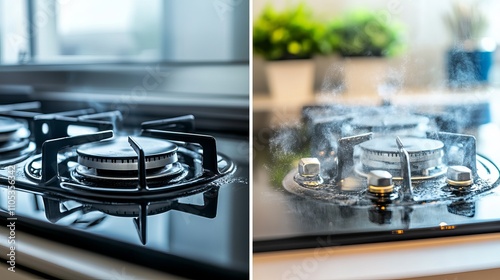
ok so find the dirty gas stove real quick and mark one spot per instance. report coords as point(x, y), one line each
point(149, 192)
point(370, 174)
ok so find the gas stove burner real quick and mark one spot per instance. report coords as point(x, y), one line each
point(7, 126)
point(14, 143)
point(12, 130)
point(170, 171)
point(426, 157)
point(155, 164)
point(113, 164)
point(15, 152)
point(399, 171)
point(118, 155)
point(84, 178)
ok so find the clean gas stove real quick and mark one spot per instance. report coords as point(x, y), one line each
point(161, 196)
point(354, 175)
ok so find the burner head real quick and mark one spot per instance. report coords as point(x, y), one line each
point(118, 155)
point(11, 129)
point(8, 125)
point(426, 156)
point(14, 143)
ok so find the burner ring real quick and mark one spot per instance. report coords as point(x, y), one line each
point(13, 145)
point(8, 125)
point(118, 155)
point(13, 132)
point(10, 157)
point(167, 171)
point(426, 157)
point(385, 149)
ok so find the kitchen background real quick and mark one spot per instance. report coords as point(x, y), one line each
point(100, 51)
point(427, 37)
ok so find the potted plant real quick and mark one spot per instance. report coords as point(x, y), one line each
point(287, 40)
point(471, 55)
point(365, 39)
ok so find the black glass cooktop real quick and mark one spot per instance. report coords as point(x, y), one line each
point(198, 234)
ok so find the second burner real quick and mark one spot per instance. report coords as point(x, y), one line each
point(426, 156)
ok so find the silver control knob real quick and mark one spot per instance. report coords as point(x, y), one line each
point(309, 173)
point(309, 167)
point(459, 176)
point(380, 182)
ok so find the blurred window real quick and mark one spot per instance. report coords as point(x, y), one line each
point(14, 37)
point(106, 28)
point(125, 30)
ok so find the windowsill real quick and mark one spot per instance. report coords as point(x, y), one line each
point(290, 109)
point(108, 64)
point(264, 101)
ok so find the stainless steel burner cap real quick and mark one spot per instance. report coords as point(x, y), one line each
point(459, 176)
point(8, 125)
point(11, 129)
point(118, 155)
point(425, 155)
point(385, 149)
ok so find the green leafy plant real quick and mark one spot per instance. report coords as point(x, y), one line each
point(466, 22)
point(365, 33)
point(288, 34)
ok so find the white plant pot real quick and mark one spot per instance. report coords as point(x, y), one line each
point(291, 81)
point(364, 75)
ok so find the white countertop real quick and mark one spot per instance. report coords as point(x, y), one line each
point(478, 256)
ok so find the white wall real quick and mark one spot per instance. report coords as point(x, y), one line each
point(427, 36)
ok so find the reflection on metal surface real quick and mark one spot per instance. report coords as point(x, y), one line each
point(407, 187)
point(462, 208)
point(84, 211)
point(380, 214)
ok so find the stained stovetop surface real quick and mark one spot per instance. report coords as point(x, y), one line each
point(284, 220)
